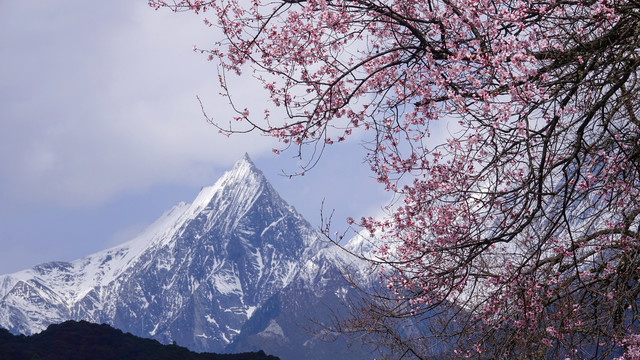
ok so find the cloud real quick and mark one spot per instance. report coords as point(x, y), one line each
point(99, 98)
point(100, 129)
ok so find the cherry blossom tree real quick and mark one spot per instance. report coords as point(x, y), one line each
point(518, 234)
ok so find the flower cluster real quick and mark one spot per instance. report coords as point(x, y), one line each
point(525, 220)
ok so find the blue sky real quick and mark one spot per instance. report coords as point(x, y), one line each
point(101, 132)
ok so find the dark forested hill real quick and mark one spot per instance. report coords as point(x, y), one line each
point(74, 340)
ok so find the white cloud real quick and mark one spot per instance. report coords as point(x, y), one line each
point(100, 99)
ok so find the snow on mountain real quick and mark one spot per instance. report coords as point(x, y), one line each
point(294, 323)
point(195, 276)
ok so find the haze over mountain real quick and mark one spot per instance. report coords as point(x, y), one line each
point(237, 269)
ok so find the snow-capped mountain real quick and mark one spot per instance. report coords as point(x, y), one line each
point(195, 276)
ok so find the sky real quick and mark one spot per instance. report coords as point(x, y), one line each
point(101, 131)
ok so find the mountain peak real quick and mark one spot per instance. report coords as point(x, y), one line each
point(243, 172)
point(243, 167)
point(243, 181)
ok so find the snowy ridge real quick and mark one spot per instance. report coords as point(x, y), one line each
point(75, 279)
point(64, 284)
